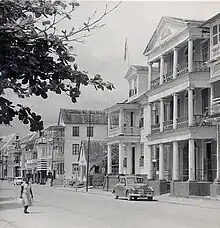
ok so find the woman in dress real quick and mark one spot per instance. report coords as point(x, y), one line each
point(26, 195)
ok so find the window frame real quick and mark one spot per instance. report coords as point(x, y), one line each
point(75, 135)
point(73, 146)
point(216, 35)
point(77, 168)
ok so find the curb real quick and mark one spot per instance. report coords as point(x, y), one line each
point(73, 190)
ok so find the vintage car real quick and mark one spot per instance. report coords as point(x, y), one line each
point(133, 187)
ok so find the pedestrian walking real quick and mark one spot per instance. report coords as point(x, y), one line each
point(26, 195)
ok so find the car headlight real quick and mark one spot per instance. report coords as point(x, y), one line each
point(133, 189)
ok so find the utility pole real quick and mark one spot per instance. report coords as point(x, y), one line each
point(51, 183)
point(89, 136)
point(2, 166)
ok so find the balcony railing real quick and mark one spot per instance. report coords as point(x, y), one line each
point(200, 66)
point(168, 125)
point(182, 122)
point(155, 83)
point(214, 110)
point(155, 128)
point(127, 131)
point(182, 70)
point(168, 77)
point(198, 121)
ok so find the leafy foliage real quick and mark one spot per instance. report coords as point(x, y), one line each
point(115, 156)
point(36, 58)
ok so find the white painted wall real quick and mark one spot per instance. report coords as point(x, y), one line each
point(100, 133)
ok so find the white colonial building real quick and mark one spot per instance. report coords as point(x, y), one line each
point(212, 27)
point(170, 98)
point(77, 129)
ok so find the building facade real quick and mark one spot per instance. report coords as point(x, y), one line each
point(212, 27)
point(174, 144)
point(77, 128)
point(10, 156)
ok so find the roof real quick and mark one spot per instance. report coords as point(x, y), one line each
point(180, 20)
point(73, 116)
point(140, 68)
point(6, 140)
point(210, 20)
point(29, 138)
point(191, 21)
point(96, 149)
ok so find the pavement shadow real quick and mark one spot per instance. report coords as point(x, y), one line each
point(139, 200)
point(9, 206)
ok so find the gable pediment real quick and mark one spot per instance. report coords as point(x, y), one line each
point(131, 71)
point(166, 30)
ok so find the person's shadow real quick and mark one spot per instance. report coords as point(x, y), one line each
point(36, 212)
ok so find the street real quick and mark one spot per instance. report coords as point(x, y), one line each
point(60, 208)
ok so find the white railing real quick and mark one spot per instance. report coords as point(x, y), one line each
point(200, 66)
point(31, 161)
point(127, 131)
point(155, 83)
point(215, 108)
point(114, 131)
point(168, 125)
point(182, 121)
point(182, 70)
point(155, 128)
point(168, 77)
point(131, 131)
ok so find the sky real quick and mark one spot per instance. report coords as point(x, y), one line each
point(103, 52)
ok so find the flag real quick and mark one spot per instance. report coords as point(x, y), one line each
point(125, 50)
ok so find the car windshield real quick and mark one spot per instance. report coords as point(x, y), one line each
point(135, 180)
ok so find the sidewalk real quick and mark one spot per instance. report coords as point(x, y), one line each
point(194, 201)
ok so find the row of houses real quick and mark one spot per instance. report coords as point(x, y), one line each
point(59, 151)
point(166, 129)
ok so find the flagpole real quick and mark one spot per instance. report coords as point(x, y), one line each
point(126, 53)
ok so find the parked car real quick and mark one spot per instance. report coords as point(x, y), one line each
point(18, 181)
point(133, 187)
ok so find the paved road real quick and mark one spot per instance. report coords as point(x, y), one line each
point(60, 208)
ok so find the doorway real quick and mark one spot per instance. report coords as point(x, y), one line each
point(132, 119)
point(209, 161)
point(133, 161)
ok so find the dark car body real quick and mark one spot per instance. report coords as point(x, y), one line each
point(133, 187)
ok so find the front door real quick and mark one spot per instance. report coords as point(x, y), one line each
point(133, 160)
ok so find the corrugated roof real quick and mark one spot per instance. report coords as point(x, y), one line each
point(73, 116)
point(95, 151)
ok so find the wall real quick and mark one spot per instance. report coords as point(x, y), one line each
point(100, 133)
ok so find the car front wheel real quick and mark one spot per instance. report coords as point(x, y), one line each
point(116, 196)
point(129, 197)
point(150, 198)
